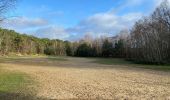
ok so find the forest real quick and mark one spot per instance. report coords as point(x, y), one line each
point(148, 41)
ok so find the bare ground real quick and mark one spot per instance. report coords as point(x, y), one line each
point(78, 78)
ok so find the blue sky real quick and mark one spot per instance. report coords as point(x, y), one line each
point(72, 19)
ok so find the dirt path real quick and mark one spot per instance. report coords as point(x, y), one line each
point(78, 78)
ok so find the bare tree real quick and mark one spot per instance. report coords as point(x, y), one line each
point(6, 5)
point(150, 37)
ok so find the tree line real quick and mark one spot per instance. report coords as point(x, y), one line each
point(13, 42)
point(147, 42)
point(149, 39)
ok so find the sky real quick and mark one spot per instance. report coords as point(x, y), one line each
point(73, 19)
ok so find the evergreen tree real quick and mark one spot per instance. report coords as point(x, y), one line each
point(107, 49)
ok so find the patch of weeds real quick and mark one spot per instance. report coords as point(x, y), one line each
point(12, 81)
point(118, 61)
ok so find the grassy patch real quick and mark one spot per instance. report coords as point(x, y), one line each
point(53, 58)
point(37, 61)
point(12, 81)
point(111, 61)
point(117, 61)
point(154, 67)
point(32, 58)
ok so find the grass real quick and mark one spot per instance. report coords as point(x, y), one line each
point(52, 60)
point(118, 61)
point(154, 67)
point(37, 61)
point(12, 81)
point(112, 61)
point(14, 86)
point(56, 58)
point(31, 58)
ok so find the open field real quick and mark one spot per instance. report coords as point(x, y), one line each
point(82, 78)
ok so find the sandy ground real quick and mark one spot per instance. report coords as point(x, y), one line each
point(80, 79)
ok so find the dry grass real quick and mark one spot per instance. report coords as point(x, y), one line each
point(78, 78)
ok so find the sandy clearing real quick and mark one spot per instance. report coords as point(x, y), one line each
point(79, 79)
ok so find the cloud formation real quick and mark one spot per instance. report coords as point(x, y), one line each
point(52, 32)
point(105, 23)
point(96, 25)
point(24, 22)
point(157, 2)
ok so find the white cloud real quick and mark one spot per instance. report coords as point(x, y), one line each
point(105, 23)
point(110, 22)
point(23, 22)
point(52, 32)
point(97, 25)
point(127, 4)
point(158, 2)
